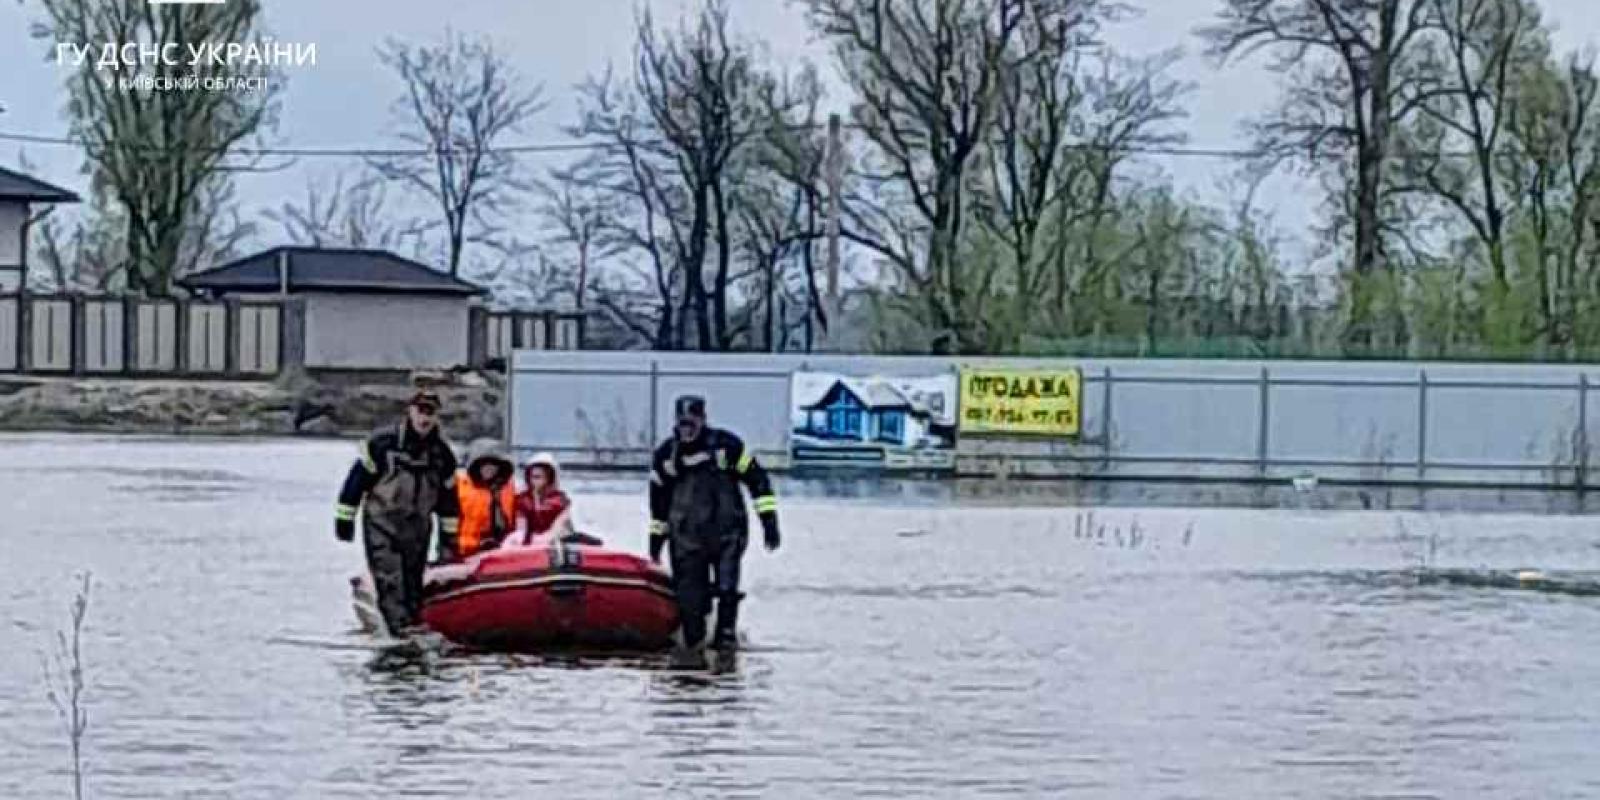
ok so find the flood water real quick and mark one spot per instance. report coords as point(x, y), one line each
point(897, 648)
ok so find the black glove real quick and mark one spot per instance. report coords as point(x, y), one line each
point(344, 529)
point(658, 541)
point(769, 530)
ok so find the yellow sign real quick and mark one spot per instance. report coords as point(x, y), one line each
point(1022, 401)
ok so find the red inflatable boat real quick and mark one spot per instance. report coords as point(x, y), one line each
point(561, 595)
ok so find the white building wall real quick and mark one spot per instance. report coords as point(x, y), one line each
point(378, 331)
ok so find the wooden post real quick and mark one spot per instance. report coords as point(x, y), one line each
point(24, 331)
point(77, 334)
point(180, 332)
point(130, 336)
point(292, 334)
point(232, 320)
point(477, 336)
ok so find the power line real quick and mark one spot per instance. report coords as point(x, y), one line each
point(322, 152)
point(579, 146)
point(535, 148)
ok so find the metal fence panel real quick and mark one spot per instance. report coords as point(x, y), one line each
point(1152, 420)
point(260, 339)
point(743, 402)
point(50, 335)
point(208, 338)
point(1168, 419)
point(10, 328)
point(155, 336)
point(104, 336)
point(1530, 430)
point(1367, 424)
point(599, 418)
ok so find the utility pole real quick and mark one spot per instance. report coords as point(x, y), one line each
point(835, 177)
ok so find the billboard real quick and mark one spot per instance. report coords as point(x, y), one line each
point(873, 421)
point(1047, 402)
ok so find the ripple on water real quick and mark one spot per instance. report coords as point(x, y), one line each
point(889, 657)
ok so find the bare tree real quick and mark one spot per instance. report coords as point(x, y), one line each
point(680, 137)
point(87, 253)
point(156, 152)
point(644, 232)
point(519, 274)
point(215, 232)
point(929, 77)
point(576, 215)
point(1350, 64)
point(462, 99)
point(707, 99)
point(1068, 125)
point(354, 214)
point(1465, 98)
point(1554, 169)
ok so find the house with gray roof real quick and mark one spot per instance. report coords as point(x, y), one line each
point(19, 194)
point(354, 309)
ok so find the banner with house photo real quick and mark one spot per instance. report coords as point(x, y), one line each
point(893, 423)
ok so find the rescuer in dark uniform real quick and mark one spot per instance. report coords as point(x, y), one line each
point(696, 505)
point(404, 476)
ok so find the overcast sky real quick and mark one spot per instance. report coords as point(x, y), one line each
point(344, 100)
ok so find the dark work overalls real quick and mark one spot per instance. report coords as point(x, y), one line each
point(695, 491)
point(399, 483)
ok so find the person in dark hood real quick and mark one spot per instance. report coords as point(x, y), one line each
point(402, 479)
point(486, 495)
point(696, 506)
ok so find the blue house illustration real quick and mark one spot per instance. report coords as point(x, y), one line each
point(876, 413)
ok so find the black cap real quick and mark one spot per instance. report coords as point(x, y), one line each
point(426, 399)
point(690, 405)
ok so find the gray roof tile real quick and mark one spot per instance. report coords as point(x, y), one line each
point(324, 269)
point(17, 186)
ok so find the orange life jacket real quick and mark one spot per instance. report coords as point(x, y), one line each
point(476, 520)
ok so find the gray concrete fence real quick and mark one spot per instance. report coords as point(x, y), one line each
point(1394, 423)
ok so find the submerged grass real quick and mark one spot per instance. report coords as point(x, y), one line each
point(64, 684)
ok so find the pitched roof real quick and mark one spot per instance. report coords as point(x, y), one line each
point(17, 186)
point(874, 394)
point(314, 269)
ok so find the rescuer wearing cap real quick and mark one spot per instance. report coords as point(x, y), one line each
point(695, 504)
point(403, 477)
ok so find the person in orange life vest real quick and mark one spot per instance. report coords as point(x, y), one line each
point(542, 507)
point(487, 498)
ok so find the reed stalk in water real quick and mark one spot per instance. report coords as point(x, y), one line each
point(64, 683)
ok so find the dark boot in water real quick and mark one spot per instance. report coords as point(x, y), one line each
point(726, 637)
point(688, 657)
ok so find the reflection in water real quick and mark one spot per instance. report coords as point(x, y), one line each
point(911, 639)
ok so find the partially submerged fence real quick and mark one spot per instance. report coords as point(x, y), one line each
point(62, 334)
point(517, 330)
point(88, 335)
point(1397, 423)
